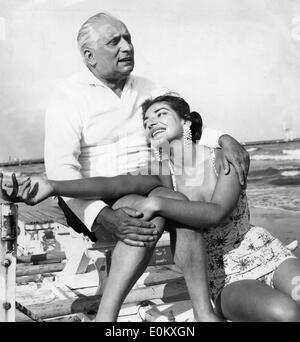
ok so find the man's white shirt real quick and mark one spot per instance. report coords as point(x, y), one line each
point(90, 131)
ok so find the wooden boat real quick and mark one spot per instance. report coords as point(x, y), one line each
point(66, 285)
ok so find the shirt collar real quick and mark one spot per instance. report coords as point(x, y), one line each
point(87, 77)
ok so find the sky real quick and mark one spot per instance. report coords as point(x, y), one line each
point(237, 62)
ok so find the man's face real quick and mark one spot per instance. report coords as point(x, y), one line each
point(114, 53)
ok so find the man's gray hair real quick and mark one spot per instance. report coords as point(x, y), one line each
point(87, 35)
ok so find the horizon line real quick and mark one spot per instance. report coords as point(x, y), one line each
point(41, 159)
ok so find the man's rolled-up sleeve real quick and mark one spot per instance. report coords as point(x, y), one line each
point(63, 132)
point(85, 210)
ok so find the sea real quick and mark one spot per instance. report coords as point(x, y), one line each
point(274, 176)
point(273, 180)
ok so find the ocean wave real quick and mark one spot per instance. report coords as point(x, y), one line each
point(268, 172)
point(276, 157)
point(292, 152)
point(252, 149)
point(275, 207)
point(290, 173)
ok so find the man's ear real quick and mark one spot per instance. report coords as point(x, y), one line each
point(89, 57)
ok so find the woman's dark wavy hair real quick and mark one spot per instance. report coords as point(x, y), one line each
point(181, 107)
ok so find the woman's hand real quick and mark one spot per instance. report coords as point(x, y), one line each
point(31, 191)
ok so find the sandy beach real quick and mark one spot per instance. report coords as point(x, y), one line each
point(284, 224)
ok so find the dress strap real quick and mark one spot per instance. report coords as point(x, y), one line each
point(213, 160)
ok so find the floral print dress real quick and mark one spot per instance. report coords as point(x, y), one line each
point(237, 250)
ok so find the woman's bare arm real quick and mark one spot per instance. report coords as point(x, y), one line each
point(199, 214)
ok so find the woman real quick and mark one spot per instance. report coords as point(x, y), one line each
point(250, 272)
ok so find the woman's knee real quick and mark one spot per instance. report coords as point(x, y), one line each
point(141, 203)
point(127, 201)
point(284, 310)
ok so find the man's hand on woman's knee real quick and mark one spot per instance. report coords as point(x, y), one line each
point(127, 225)
point(149, 206)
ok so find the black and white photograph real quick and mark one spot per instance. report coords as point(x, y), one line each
point(149, 163)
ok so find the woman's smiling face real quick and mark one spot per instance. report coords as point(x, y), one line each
point(162, 123)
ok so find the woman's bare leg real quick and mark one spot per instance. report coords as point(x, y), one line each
point(190, 256)
point(128, 264)
point(287, 279)
point(253, 301)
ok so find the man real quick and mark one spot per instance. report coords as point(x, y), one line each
point(94, 128)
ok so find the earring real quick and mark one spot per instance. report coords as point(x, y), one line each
point(157, 154)
point(187, 135)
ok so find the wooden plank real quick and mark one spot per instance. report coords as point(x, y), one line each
point(33, 213)
point(45, 216)
point(79, 281)
point(65, 319)
point(153, 275)
point(25, 217)
point(35, 297)
point(55, 290)
point(25, 270)
point(38, 216)
point(87, 304)
point(27, 279)
point(41, 257)
point(48, 262)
